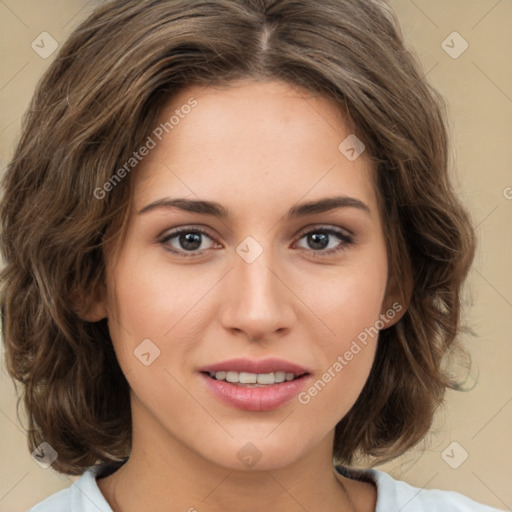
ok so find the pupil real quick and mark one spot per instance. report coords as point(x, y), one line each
point(316, 237)
point(188, 239)
point(192, 241)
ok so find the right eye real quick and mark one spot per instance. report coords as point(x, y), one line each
point(188, 240)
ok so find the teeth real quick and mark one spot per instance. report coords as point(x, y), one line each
point(248, 378)
point(253, 378)
point(232, 376)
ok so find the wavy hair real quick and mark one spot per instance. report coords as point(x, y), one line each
point(98, 101)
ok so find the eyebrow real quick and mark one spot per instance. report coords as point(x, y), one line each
point(217, 210)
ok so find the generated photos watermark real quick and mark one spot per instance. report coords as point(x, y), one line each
point(344, 359)
point(151, 142)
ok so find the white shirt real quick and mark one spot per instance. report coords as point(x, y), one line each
point(393, 495)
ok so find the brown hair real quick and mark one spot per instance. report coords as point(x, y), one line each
point(97, 103)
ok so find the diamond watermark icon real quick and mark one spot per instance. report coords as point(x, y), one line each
point(44, 455)
point(351, 147)
point(146, 352)
point(44, 45)
point(454, 45)
point(454, 455)
point(249, 249)
point(249, 454)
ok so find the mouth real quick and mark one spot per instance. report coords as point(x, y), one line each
point(255, 384)
point(254, 380)
point(263, 392)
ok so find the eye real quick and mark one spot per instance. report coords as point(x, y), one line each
point(320, 238)
point(189, 240)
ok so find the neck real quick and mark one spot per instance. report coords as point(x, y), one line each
point(190, 483)
point(163, 472)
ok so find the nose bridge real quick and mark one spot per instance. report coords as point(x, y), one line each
point(258, 302)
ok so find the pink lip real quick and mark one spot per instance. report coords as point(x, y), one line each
point(253, 398)
point(268, 365)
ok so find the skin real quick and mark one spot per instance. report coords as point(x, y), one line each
point(257, 148)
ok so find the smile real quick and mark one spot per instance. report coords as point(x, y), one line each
point(255, 396)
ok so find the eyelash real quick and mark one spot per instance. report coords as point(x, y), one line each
point(344, 238)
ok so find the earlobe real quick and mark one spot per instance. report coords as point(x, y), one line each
point(393, 314)
point(396, 301)
point(92, 309)
point(96, 312)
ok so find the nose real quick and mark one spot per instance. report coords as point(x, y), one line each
point(259, 302)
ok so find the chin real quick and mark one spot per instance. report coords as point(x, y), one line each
point(257, 455)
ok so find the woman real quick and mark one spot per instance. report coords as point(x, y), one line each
point(233, 257)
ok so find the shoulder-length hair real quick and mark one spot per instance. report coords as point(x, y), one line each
point(98, 102)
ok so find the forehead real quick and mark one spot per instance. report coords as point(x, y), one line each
point(256, 141)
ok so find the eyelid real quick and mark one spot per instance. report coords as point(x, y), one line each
point(326, 227)
point(204, 230)
point(199, 228)
point(346, 237)
point(174, 232)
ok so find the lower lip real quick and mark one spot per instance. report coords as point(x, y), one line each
point(253, 398)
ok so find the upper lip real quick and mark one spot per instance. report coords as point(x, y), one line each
point(269, 365)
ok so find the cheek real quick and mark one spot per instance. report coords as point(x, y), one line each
point(152, 300)
point(151, 296)
point(350, 307)
point(350, 301)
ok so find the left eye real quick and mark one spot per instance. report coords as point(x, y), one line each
point(319, 238)
point(190, 241)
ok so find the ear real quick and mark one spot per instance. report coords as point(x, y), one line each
point(92, 308)
point(396, 301)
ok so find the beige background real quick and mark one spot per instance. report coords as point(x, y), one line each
point(478, 88)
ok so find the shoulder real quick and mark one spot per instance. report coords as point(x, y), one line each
point(409, 498)
point(83, 495)
point(399, 495)
point(58, 502)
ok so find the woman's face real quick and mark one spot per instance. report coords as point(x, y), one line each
point(270, 279)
